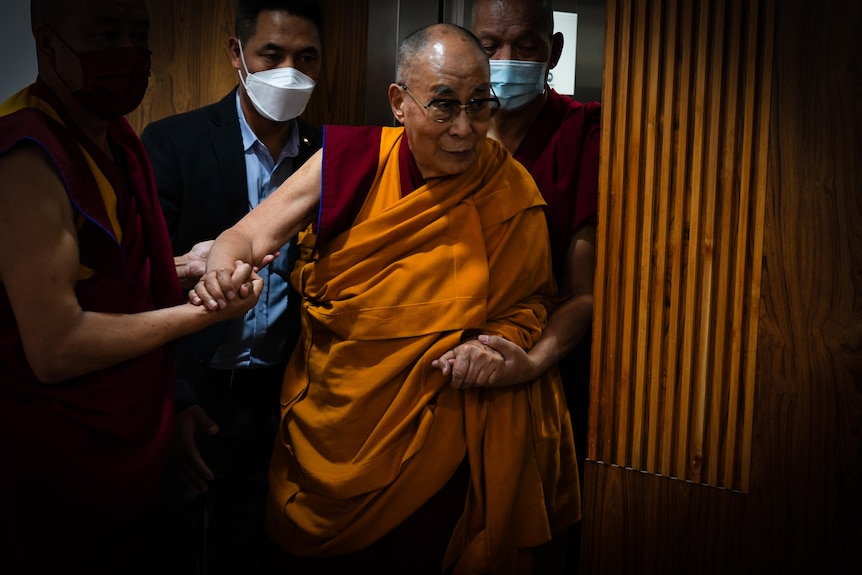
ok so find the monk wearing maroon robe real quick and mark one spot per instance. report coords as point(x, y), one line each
point(90, 298)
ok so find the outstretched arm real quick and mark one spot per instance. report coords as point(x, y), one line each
point(262, 231)
point(39, 263)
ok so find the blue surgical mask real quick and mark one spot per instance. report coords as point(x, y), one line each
point(517, 83)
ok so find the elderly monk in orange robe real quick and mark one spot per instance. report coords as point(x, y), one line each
point(422, 237)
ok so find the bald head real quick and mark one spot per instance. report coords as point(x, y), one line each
point(538, 13)
point(415, 46)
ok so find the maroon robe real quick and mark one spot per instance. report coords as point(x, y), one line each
point(561, 152)
point(82, 459)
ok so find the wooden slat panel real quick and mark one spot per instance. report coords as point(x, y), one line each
point(792, 302)
point(681, 230)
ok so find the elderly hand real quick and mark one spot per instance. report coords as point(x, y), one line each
point(191, 265)
point(490, 361)
point(217, 288)
point(471, 364)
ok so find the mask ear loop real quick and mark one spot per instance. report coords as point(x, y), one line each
point(70, 50)
point(245, 67)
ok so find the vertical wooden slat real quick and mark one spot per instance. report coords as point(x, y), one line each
point(761, 137)
point(601, 369)
point(735, 270)
point(675, 320)
point(664, 26)
point(617, 408)
point(629, 205)
point(689, 426)
point(637, 250)
point(710, 367)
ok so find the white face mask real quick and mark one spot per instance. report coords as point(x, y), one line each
point(517, 83)
point(279, 94)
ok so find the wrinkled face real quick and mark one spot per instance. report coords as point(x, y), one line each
point(450, 67)
point(280, 40)
point(511, 30)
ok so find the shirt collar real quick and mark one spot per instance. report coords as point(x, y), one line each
point(291, 147)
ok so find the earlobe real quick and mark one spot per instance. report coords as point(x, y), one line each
point(234, 53)
point(44, 47)
point(396, 99)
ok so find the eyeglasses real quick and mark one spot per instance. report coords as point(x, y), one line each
point(446, 109)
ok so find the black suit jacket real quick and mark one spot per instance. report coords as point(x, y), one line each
point(199, 166)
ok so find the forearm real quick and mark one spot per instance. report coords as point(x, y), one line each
point(100, 340)
point(566, 327)
point(231, 245)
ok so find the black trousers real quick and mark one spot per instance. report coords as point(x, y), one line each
point(222, 530)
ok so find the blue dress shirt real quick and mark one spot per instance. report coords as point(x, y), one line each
point(259, 339)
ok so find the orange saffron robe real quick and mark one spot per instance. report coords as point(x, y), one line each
point(370, 430)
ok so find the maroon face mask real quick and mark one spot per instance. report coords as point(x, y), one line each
point(114, 80)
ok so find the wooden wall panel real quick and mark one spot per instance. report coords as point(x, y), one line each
point(725, 167)
point(684, 171)
point(191, 65)
point(339, 97)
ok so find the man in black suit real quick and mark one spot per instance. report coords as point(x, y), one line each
point(213, 165)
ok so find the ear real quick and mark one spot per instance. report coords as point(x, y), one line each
point(556, 50)
point(396, 101)
point(44, 43)
point(234, 53)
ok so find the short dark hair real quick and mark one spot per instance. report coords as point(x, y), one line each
point(248, 10)
point(51, 12)
point(416, 42)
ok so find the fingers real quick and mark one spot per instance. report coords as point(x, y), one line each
point(267, 259)
point(474, 365)
point(217, 287)
point(444, 362)
point(500, 344)
point(210, 291)
point(194, 471)
point(253, 287)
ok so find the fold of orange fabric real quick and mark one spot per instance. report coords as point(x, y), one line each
point(370, 430)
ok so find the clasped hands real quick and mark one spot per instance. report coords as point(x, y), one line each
point(217, 287)
point(486, 361)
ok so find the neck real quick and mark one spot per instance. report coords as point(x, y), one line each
point(273, 135)
point(510, 127)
